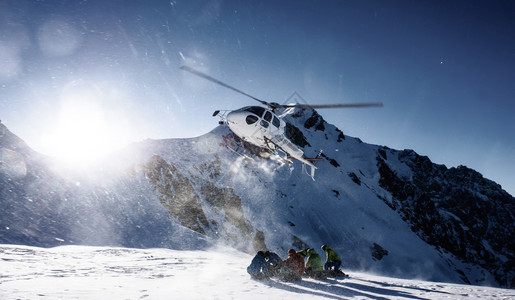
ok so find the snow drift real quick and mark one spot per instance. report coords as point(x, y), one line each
point(80, 272)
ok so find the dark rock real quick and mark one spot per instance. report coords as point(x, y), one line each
point(354, 178)
point(456, 210)
point(378, 252)
point(295, 136)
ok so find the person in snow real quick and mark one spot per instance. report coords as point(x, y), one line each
point(258, 268)
point(332, 261)
point(274, 263)
point(314, 266)
point(293, 267)
point(295, 261)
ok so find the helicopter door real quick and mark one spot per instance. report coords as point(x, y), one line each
point(268, 116)
point(276, 122)
point(265, 122)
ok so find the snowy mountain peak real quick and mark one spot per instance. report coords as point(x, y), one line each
point(382, 210)
point(10, 142)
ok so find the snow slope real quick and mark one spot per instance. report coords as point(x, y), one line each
point(80, 272)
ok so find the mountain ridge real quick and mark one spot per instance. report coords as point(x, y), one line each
point(363, 203)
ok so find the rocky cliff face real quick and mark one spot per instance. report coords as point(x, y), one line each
point(455, 210)
point(186, 197)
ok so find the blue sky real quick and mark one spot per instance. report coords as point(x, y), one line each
point(445, 71)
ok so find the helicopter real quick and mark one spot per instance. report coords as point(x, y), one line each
point(265, 128)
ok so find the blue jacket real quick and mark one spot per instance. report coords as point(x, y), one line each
point(274, 259)
point(258, 265)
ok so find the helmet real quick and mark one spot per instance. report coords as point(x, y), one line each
point(291, 252)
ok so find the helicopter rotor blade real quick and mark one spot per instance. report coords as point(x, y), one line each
point(307, 106)
point(274, 105)
point(205, 76)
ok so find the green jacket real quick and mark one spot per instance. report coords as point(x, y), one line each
point(331, 255)
point(303, 253)
point(314, 261)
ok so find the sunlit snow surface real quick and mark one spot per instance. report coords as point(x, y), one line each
point(80, 272)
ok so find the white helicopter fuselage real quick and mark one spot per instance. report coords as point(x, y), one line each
point(263, 128)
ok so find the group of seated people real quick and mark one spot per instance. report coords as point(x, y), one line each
point(268, 264)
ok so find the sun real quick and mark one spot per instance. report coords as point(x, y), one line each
point(86, 128)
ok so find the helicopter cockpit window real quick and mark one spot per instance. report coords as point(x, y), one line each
point(251, 119)
point(268, 116)
point(264, 123)
point(276, 122)
point(255, 110)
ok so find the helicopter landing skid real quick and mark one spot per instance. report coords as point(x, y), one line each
point(245, 157)
point(281, 159)
point(228, 143)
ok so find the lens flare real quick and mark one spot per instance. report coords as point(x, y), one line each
point(86, 129)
